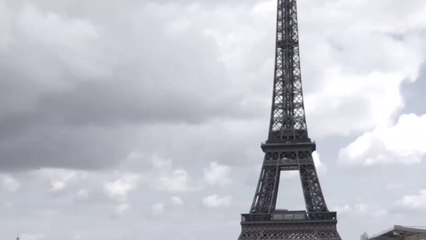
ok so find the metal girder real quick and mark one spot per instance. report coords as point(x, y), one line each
point(314, 231)
point(288, 148)
point(267, 190)
point(288, 114)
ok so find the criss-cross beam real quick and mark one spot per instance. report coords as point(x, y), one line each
point(288, 114)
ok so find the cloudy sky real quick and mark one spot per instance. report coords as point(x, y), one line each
point(143, 119)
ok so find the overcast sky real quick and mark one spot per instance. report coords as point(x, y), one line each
point(126, 119)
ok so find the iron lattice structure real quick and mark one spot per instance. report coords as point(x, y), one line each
point(288, 148)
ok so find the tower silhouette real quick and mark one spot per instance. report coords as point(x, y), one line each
point(288, 148)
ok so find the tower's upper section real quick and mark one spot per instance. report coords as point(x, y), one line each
point(288, 121)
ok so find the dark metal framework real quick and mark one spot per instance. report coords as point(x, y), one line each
point(288, 148)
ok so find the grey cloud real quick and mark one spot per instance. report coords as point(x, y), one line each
point(87, 83)
point(60, 107)
point(81, 148)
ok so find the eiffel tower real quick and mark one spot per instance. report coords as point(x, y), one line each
point(288, 148)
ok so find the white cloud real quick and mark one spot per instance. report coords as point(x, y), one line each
point(168, 179)
point(158, 208)
point(363, 63)
point(83, 194)
point(121, 210)
point(161, 164)
point(60, 178)
point(76, 237)
point(321, 168)
point(10, 184)
point(58, 186)
point(120, 188)
point(353, 102)
point(32, 236)
point(177, 181)
point(214, 201)
point(265, 7)
point(177, 201)
point(414, 202)
point(217, 174)
point(360, 209)
point(394, 187)
point(401, 143)
point(342, 209)
point(380, 213)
